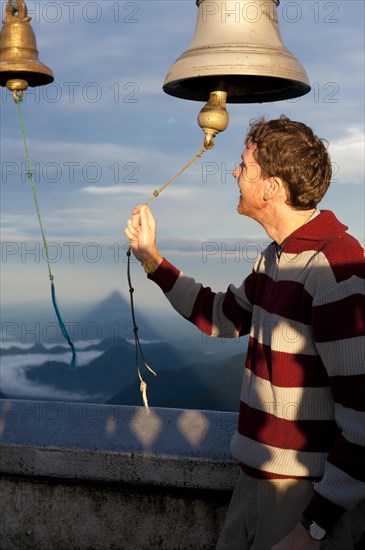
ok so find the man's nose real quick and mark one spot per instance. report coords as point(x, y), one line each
point(235, 172)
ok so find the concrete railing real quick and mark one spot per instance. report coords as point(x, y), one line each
point(77, 476)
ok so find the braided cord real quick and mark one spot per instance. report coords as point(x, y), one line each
point(190, 163)
point(34, 191)
point(18, 100)
point(138, 347)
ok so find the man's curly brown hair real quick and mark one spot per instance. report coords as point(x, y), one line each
point(290, 151)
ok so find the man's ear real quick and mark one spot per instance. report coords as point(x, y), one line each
point(274, 187)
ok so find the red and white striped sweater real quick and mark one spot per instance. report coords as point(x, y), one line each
point(302, 407)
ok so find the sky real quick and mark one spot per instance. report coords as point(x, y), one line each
point(104, 136)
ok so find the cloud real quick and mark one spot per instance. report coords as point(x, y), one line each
point(14, 380)
point(72, 150)
point(347, 153)
point(10, 362)
point(68, 162)
point(144, 190)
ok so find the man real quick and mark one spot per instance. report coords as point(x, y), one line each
point(300, 440)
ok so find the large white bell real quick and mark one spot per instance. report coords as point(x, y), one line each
point(237, 48)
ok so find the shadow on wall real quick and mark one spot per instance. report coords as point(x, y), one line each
point(163, 432)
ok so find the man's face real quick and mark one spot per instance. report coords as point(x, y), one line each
point(251, 184)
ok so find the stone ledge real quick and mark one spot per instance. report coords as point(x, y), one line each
point(169, 447)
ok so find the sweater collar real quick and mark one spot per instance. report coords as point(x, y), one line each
point(323, 226)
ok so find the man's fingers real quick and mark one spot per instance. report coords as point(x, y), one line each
point(142, 222)
point(147, 217)
point(129, 235)
point(137, 209)
point(133, 229)
point(136, 220)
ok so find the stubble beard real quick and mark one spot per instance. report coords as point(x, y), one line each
point(246, 210)
point(241, 208)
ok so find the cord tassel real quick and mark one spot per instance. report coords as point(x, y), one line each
point(63, 328)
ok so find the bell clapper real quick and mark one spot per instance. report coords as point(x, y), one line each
point(213, 118)
point(17, 86)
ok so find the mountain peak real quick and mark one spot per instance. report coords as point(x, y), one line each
point(111, 308)
point(112, 317)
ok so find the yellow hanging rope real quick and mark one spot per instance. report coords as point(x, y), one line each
point(156, 193)
point(190, 163)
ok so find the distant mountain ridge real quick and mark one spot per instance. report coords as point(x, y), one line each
point(114, 369)
point(193, 371)
point(196, 386)
point(201, 382)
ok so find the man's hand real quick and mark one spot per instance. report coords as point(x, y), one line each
point(141, 232)
point(298, 539)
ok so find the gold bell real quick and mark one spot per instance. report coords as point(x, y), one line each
point(19, 63)
point(237, 49)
